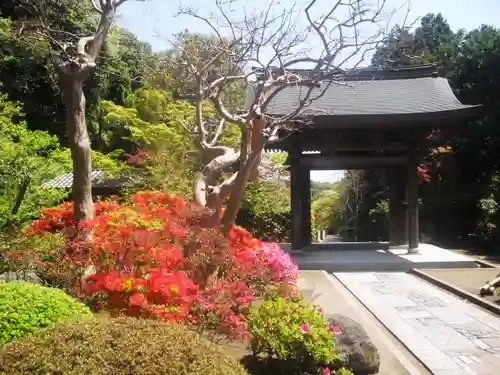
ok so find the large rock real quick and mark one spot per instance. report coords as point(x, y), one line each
point(359, 353)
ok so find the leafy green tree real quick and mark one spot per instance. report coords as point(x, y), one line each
point(475, 78)
point(326, 210)
point(163, 153)
point(27, 159)
point(267, 196)
point(416, 47)
point(27, 66)
point(266, 210)
point(70, 37)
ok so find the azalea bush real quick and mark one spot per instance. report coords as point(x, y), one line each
point(151, 257)
point(293, 333)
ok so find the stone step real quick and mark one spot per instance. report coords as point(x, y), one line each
point(429, 256)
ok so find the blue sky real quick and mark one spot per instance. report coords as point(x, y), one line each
point(154, 21)
point(146, 18)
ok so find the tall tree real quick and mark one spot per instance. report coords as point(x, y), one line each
point(76, 54)
point(29, 72)
point(76, 65)
point(274, 30)
point(415, 47)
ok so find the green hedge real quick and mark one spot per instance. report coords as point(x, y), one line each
point(267, 226)
point(120, 346)
point(27, 307)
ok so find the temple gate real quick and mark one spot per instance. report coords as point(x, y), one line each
point(369, 118)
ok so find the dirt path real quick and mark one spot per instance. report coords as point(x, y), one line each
point(469, 280)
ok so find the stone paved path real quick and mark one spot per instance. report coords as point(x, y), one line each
point(448, 335)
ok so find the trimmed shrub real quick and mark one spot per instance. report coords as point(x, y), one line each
point(269, 226)
point(27, 307)
point(120, 346)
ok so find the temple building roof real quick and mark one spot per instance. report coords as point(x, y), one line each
point(377, 96)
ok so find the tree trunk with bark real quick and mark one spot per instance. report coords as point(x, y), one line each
point(238, 191)
point(79, 143)
point(75, 68)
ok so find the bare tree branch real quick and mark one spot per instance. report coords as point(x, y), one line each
point(97, 8)
point(270, 40)
point(218, 132)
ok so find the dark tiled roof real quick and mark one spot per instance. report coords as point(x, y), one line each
point(65, 181)
point(403, 91)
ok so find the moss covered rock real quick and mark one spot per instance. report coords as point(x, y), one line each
point(358, 351)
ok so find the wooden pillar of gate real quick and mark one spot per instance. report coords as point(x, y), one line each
point(413, 182)
point(296, 195)
point(398, 212)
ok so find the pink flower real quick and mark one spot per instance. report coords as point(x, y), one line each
point(335, 330)
point(490, 226)
point(304, 328)
point(326, 371)
point(320, 310)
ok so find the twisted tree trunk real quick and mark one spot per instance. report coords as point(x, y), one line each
point(208, 193)
point(73, 71)
point(238, 191)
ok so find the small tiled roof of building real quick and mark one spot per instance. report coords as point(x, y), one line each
point(65, 181)
point(373, 91)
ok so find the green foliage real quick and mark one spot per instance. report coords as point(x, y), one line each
point(319, 187)
point(264, 196)
point(343, 371)
point(154, 126)
point(325, 208)
point(27, 67)
point(265, 210)
point(27, 159)
point(29, 73)
point(294, 332)
point(462, 192)
point(26, 308)
point(417, 47)
point(267, 226)
point(116, 347)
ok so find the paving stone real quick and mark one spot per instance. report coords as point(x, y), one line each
point(475, 359)
point(465, 359)
point(397, 301)
point(452, 315)
point(448, 335)
point(493, 342)
point(408, 312)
